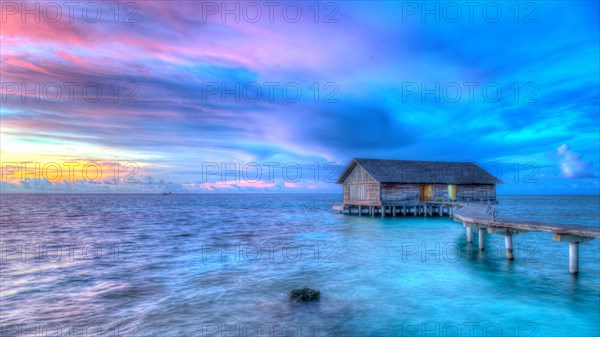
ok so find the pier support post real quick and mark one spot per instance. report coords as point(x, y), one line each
point(359, 210)
point(382, 211)
point(481, 238)
point(469, 230)
point(509, 246)
point(574, 257)
point(508, 238)
point(574, 241)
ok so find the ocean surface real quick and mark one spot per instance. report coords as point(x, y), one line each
point(221, 265)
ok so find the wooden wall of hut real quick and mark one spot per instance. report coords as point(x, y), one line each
point(400, 192)
point(476, 192)
point(361, 189)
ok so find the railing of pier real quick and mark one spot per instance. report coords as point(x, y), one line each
point(491, 211)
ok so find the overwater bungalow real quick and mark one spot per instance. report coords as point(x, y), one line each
point(406, 187)
point(381, 185)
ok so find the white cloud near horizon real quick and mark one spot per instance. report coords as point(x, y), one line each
point(572, 165)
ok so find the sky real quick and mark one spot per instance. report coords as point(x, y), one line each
point(278, 97)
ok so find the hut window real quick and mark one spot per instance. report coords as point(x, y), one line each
point(452, 191)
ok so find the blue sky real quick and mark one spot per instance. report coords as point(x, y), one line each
point(508, 85)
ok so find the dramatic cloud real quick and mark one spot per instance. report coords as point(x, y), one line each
point(172, 85)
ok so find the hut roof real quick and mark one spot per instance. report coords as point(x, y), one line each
point(428, 172)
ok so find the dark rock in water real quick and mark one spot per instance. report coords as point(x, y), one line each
point(304, 294)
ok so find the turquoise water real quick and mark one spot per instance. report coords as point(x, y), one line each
point(221, 265)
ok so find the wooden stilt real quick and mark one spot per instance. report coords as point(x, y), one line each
point(469, 230)
point(509, 246)
point(574, 241)
point(574, 257)
point(481, 239)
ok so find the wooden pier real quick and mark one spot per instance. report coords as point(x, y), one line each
point(483, 219)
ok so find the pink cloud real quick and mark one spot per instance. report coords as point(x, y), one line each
point(13, 61)
point(230, 185)
point(291, 185)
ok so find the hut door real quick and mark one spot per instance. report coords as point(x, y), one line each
point(426, 193)
point(452, 191)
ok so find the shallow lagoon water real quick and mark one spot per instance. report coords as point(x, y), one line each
point(221, 265)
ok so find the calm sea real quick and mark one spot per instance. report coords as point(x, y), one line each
point(221, 265)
